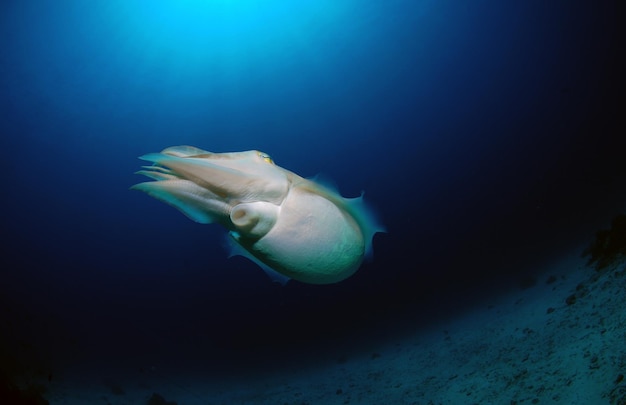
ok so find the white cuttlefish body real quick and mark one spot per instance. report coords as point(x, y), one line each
point(292, 227)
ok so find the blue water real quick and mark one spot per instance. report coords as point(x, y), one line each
point(485, 134)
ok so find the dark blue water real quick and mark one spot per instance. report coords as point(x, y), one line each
point(487, 135)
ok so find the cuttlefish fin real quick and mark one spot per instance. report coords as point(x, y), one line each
point(237, 250)
point(357, 207)
point(362, 213)
point(367, 220)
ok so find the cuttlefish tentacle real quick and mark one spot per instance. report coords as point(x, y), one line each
point(285, 223)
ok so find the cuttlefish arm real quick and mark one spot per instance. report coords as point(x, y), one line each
point(292, 227)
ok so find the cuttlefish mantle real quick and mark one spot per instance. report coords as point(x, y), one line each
point(291, 226)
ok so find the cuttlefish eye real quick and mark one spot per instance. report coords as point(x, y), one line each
point(265, 157)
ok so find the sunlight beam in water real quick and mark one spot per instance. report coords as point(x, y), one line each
point(230, 41)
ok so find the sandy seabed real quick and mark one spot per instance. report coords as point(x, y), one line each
point(561, 341)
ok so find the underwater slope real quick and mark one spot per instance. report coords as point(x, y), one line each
point(559, 339)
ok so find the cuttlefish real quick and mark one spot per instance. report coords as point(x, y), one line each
point(294, 228)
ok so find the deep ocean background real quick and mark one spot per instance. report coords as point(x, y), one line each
point(487, 134)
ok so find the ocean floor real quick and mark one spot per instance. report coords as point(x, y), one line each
point(559, 340)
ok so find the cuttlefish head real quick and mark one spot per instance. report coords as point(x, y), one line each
point(218, 187)
point(290, 226)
